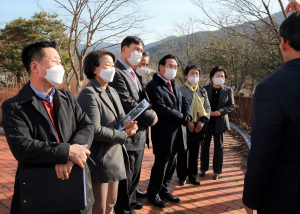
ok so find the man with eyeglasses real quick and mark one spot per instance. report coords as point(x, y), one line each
point(169, 134)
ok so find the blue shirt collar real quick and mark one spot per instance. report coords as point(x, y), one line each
point(128, 68)
point(46, 97)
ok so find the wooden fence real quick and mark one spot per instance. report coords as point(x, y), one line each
point(244, 109)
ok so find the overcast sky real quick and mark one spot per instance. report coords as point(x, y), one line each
point(165, 13)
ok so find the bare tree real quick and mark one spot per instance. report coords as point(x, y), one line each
point(185, 44)
point(250, 20)
point(92, 22)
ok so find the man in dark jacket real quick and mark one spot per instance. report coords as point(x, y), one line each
point(272, 180)
point(131, 94)
point(44, 126)
point(169, 134)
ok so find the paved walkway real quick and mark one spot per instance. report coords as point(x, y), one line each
point(212, 196)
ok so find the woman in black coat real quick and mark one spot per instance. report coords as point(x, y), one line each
point(197, 99)
point(222, 103)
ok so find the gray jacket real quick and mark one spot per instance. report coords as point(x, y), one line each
point(225, 106)
point(188, 94)
point(107, 150)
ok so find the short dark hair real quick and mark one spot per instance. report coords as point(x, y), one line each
point(216, 69)
point(35, 51)
point(290, 30)
point(163, 60)
point(190, 67)
point(146, 54)
point(93, 59)
point(131, 40)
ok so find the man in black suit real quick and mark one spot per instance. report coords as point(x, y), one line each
point(169, 134)
point(44, 126)
point(272, 180)
point(141, 69)
point(131, 94)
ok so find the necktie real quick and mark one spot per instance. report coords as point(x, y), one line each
point(134, 77)
point(170, 85)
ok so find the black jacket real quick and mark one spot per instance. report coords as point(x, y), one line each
point(225, 106)
point(272, 179)
point(171, 109)
point(130, 97)
point(30, 139)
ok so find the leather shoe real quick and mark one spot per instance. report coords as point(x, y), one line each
point(170, 197)
point(157, 202)
point(195, 181)
point(215, 176)
point(182, 182)
point(202, 173)
point(140, 193)
point(138, 206)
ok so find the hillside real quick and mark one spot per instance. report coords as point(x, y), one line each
point(160, 48)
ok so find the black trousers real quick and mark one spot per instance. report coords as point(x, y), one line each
point(163, 169)
point(218, 149)
point(188, 166)
point(127, 188)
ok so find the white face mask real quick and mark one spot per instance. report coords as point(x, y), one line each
point(219, 81)
point(107, 74)
point(170, 73)
point(54, 75)
point(141, 71)
point(135, 57)
point(193, 80)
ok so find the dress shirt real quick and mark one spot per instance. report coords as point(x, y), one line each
point(44, 96)
point(170, 85)
point(130, 70)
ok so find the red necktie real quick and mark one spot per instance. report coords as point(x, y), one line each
point(134, 77)
point(170, 85)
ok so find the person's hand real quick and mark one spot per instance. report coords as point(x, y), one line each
point(248, 210)
point(132, 128)
point(212, 113)
point(63, 171)
point(199, 126)
point(292, 6)
point(78, 154)
point(129, 124)
point(191, 127)
point(217, 114)
point(155, 120)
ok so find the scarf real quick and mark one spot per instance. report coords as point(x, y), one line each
point(197, 105)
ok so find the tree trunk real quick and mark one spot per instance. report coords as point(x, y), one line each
point(19, 81)
point(78, 87)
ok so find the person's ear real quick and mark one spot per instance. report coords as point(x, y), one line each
point(161, 68)
point(284, 44)
point(33, 68)
point(124, 49)
point(95, 70)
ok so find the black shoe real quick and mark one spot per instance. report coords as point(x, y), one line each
point(157, 202)
point(182, 182)
point(202, 173)
point(138, 206)
point(215, 176)
point(195, 181)
point(170, 197)
point(140, 193)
